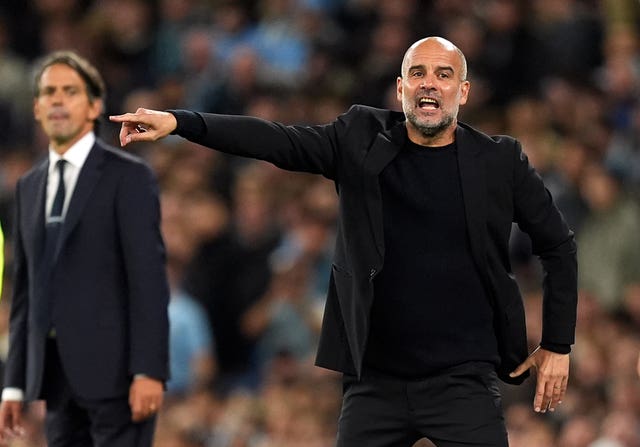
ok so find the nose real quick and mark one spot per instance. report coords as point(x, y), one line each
point(57, 97)
point(427, 81)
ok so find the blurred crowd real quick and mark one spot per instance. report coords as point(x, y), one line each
point(249, 245)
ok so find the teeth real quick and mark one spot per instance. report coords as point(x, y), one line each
point(428, 100)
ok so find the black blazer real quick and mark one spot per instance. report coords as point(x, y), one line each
point(108, 286)
point(499, 187)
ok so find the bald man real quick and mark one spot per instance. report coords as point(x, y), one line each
point(423, 314)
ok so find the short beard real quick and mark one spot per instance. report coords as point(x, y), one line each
point(430, 130)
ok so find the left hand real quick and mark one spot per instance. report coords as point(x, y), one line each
point(145, 397)
point(552, 377)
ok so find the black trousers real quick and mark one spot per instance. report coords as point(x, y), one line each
point(460, 406)
point(75, 422)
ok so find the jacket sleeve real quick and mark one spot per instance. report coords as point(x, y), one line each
point(138, 217)
point(311, 149)
point(15, 368)
point(553, 242)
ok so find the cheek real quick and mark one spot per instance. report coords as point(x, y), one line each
point(453, 99)
point(84, 114)
point(409, 96)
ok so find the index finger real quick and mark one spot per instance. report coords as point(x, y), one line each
point(125, 117)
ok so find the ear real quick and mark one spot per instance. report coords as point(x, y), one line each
point(95, 109)
point(464, 92)
point(36, 110)
point(399, 88)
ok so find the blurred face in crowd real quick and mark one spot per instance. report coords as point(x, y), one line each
point(63, 107)
point(599, 188)
point(432, 87)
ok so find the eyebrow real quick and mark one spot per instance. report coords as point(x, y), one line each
point(438, 68)
point(61, 87)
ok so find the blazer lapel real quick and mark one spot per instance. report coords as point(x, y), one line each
point(474, 193)
point(384, 149)
point(87, 180)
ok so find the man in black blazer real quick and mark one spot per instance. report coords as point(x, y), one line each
point(88, 323)
point(423, 311)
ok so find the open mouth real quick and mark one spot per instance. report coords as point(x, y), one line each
point(428, 103)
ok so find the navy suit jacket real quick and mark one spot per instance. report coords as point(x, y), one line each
point(107, 287)
point(499, 187)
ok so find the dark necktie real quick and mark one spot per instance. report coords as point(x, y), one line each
point(58, 201)
point(43, 301)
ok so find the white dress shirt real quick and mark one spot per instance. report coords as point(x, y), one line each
point(75, 157)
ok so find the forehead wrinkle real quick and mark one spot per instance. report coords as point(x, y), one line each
point(53, 78)
point(428, 46)
point(443, 67)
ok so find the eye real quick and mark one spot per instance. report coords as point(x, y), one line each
point(444, 75)
point(417, 74)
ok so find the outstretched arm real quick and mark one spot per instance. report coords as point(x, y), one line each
point(144, 125)
point(311, 149)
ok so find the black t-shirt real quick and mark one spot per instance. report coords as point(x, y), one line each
point(430, 309)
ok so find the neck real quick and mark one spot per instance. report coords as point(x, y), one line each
point(446, 136)
point(62, 146)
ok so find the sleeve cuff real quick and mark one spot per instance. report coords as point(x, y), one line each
point(189, 124)
point(558, 348)
point(15, 394)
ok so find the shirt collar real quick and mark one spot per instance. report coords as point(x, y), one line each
point(76, 154)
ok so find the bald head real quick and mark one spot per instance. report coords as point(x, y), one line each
point(434, 43)
point(431, 88)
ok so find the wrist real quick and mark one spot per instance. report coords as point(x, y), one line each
point(558, 348)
